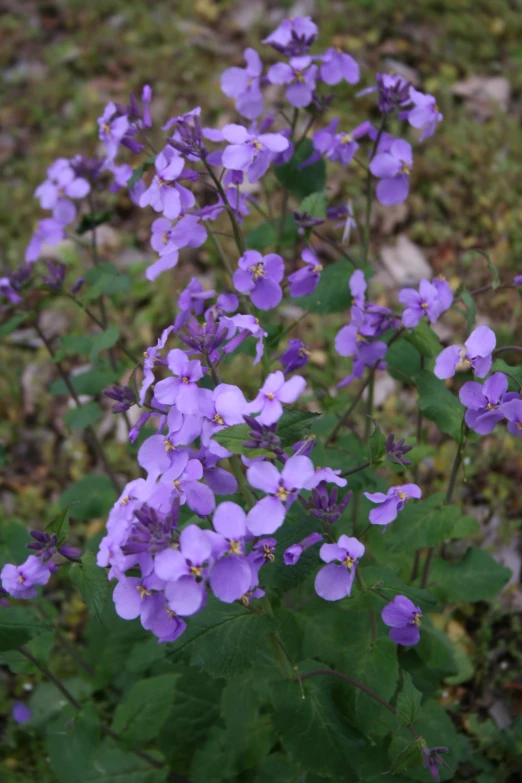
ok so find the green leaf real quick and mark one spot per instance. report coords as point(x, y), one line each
point(424, 339)
point(90, 382)
point(74, 345)
point(233, 438)
point(408, 700)
point(92, 582)
point(267, 234)
point(315, 204)
point(436, 650)
point(332, 294)
point(491, 266)
point(112, 765)
point(439, 405)
point(294, 425)
point(105, 279)
point(427, 523)
point(387, 582)
point(13, 540)
point(377, 446)
point(477, 577)
point(304, 182)
point(60, 526)
point(145, 708)
point(311, 730)
point(212, 760)
point(72, 741)
point(409, 758)
point(224, 639)
point(499, 365)
point(277, 768)
point(90, 221)
point(138, 171)
point(13, 323)
point(17, 626)
point(471, 307)
point(104, 340)
point(89, 498)
point(403, 360)
point(47, 701)
point(40, 647)
point(83, 416)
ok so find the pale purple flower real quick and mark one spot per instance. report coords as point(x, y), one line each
point(231, 575)
point(392, 165)
point(182, 390)
point(250, 152)
point(391, 503)
point(282, 489)
point(300, 76)
point(20, 712)
point(161, 620)
point(336, 146)
point(444, 291)
point(242, 84)
point(192, 300)
point(48, 231)
point(305, 280)
point(295, 356)
point(168, 239)
point(485, 402)
point(184, 480)
point(394, 92)
point(112, 129)
point(293, 36)
point(150, 357)
point(185, 570)
point(7, 289)
point(222, 407)
point(293, 553)
point(476, 355)
point(425, 301)
point(425, 113)
point(273, 392)
point(132, 594)
point(513, 413)
point(352, 340)
point(260, 277)
point(20, 581)
point(334, 582)
point(517, 280)
point(404, 619)
point(338, 66)
point(61, 184)
point(164, 194)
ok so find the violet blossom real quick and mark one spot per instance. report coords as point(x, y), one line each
point(485, 402)
point(293, 36)
point(295, 356)
point(293, 553)
point(48, 231)
point(404, 619)
point(168, 239)
point(20, 712)
point(260, 277)
point(334, 582)
point(243, 84)
point(513, 412)
point(164, 194)
point(240, 327)
point(231, 575)
point(337, 66)
point(112, 129)
point(300, 76)
point(391, 503)
point(185, 570)
point(21, 581)
point(249, 152)
point(305, 280)
point(273, 392)
point(476, 355)
point(425, 113)
point(392, 165)
point(426, 301)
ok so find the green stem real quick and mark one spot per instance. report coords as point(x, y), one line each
point(369, 193)
point(286, 194)
point(356, 470)
point(340, 249)
point(369, 407)
point(238, 236)
point(237, 470)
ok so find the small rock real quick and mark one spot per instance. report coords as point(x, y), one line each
point(383, 388)
point(405, 261)
point(386, 219)
point(484, 94)
point(500, 714)
point(247, 13)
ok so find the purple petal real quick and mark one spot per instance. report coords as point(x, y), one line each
point(185, 596)
point(384, 165)
point(495, 387)
point(481, 342)
point(471, 395)
point(291, 390)
point(230, 579)
point(170, 565)
point(297, 472)
point(266, 293)
point(263, 476)
point(329, 552)
point(200, 498)
point(394, 190)
point(334, 582)
point(229, 519)
point(398, 612)
point(446, 362)
point(406, 636)
point(195, 544)
point(383, 515)
point(266, 516)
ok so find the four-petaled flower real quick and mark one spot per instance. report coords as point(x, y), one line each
point(426, 301)
point(231, 574)
point(391, 503)
point(336, 65)
point(260, 277)
point(392, 165)
point(404, 619)
point(477, 355)
point(334, 582)
point(485, 402)
point(164, 194)
point(20, 581)
point(300, 76)
point(242, 84)
point(305, 280)
point(250, 152)
point(185, 570)
point(272, 393)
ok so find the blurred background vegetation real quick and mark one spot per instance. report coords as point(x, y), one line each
point(61, 62)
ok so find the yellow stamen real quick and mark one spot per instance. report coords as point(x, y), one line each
point(270, 396)
point(235, 548)
point(346, 138)
point(185, 379)
point(124, 500)
point(402, 495)
point(168, 445)
point(349, 562)
point(143, 591)
point(491, 407)
point(257, 271)
point(416, 620)
point(196, 571)
point(257, 145)
point(267, 553)
point(177, 484)
point(218, 419)
point(21, 579)
point(282, 494)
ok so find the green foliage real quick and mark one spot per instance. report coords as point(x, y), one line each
point(90, 497)
point(73, 739)
point(515, 381)
point(302, 182)
point(267, 234)
point(60, 526)
point(105, 279)
point(332, 294)
point(424, 339)
point(294, 425)
point(83, 416)
point(408, 700)
point(428, 523)
point(438, 404)
point(476, 577)
point(18, 626)
point(92, 582)
point(93, 220)
point(145, 708)
point(90, 382)
point(233, 438)
point(315, 204)
point(11, 324)
point(377, 446)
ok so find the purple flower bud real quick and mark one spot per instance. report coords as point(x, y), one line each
point(123, 395)
point(395, 451)
point(20, 712)
point(294, 552)
point(295, 356)
point(56, 275)
point(70, 552)
point(78, 284)
point(432, 761)
point(261, 435)
point(323, 504)
point(44, 544)
point(517, 280)
point(305, 221)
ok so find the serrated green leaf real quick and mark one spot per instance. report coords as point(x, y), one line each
point(92, 582)
point(60, 526)
point(439, 405)
point(104, 340)
point(424, 339)
point(315, 204)
point(72, 740)
point(377, 446)
point(476, 577)
point(409, 758)
point(17, 626)
point(83, 416)
point(332, 294)
point(93, 220)
point(224, 639)
point(294, 425)
point(12, 324)
point(403, 360)
point(302, 182)
point(408, 700)
point(436, 650)
point(233, 438)
point(428, 522)
point(145, 708)
point(89, 498)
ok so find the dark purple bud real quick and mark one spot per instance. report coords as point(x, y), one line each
point(304, 448)
point(123, 395)
point(262, 436)
point(56, 275)
point(135, 431)
point(395, 451)
point(323, 504)
point(70, 552)
point(76, 287)
point(432, 760)
point(305, 221)
point(295, 356)
point(90, 168)
point(134, 109)
point(43, 546)
point(152, 532)
point(20, 712)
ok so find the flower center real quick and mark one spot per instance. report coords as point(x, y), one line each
point(177, 484)
point(106, 129)
point(416, 620)
point(464, 364)
point(168, 445)
point(491, 407)
point(218, 419)
point(185, 379)
point(519, 425)
point(282, 494)
point(424, 305)
point(257, 271)
point(170, 613)
point(346, 138)
point(360, 338)
point(349, 562)
point(299, 77)
point(235, 548)
point(196, 571)
point(402, 495)
point(405, 169)
point(257, 145)
point(267, 553)
point(21, 578)
point(270, 396)
point(164, 237)
point(124, 500)
point(143, 591)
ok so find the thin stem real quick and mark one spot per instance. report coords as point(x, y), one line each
point(485, 288)
point(95, 442)
point(97, 321)
point(356, 470)
point(237, 470)
point(238, 236)
point(217, 244)
point(358, 685)
point(61, 687)
point(369, 408)
point(508, 348)
point(340, 249)
point(66, 644)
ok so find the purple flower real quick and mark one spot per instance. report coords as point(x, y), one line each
point(295, 356)
point(304, 281)
point(390, 504)
point(150, 357)
point(250, 152)
point(300, 76)
point(260, 276)
point(293, 553)
point(192, 300)
point(425, 113)
point(323, 504)
point(8, 290)
point(159, 618)
point(404, 619)
point(185, 570)
point(476, 355)
point(184, 476)
point(444, 290)
point(221, 408)
point(181, 390)
point(151, 530)
point(240, 327)
point(425, 301)
point(513, 413)
point(432, 761)
point(392, 165)
point(282, 489)
point(20, 581)
point(231, 575)
point(20, 712)
point(394, 92)
point(163, 194)
point(293, 36)
point(517, 280)
point(167, 240)
point(484, 403)
point(337, 147)
point(336, 66)
point(61, 184)
point(273, 392)
point(395, 451)
point(112, 129)
point(48, 231)
point(334, 582)
point(242, 84)
point(353, 340)
point(146, 98)
point(131, 595)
